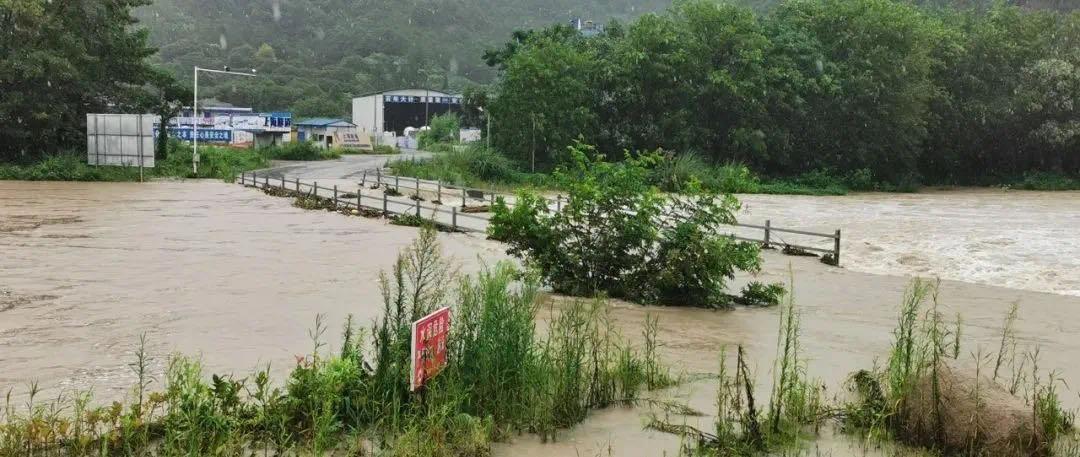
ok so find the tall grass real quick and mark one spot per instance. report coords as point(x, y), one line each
point(742, 427)
point(67, 167)
point(472, 165)
point(502, 378)
point(299, 150)
point(215, 162)
point(914, 397)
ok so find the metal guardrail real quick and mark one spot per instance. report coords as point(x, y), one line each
point(385, 204)
point(453, 191)
point(415, 206)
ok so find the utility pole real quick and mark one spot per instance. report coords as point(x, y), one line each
point(195, 114)
point(532, 149)
point(487, 134)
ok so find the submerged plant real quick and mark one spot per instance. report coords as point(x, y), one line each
point(922, 397)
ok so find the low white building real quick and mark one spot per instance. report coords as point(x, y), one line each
point(327, 132)
point(393, 111)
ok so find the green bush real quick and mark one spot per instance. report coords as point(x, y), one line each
point(619, 236)
point(215, 162)
point(1049, 181)
point(444, 128)
point(471, 166)
point(68, 167)
point(299, 150)
point(385, 149)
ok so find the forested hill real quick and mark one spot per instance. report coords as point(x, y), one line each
point(315, 54)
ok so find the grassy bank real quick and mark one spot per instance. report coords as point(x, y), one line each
point(502, 379)
point(472, 166)
point(475, 166)
point(215, 162)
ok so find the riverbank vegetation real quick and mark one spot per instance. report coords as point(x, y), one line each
point(1001, 404)
point(831, 94)
point(617, 235)
point(469, 165)
point(215, 162)
point(502, 378)
point(928, 395)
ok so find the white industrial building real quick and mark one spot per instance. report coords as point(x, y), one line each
point(389, 113)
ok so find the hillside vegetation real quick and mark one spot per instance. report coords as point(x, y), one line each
point(316, 54)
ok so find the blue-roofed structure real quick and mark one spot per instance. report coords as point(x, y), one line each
point(323, 122)
point(326, 132)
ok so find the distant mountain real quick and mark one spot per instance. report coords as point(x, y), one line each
point(315, 54)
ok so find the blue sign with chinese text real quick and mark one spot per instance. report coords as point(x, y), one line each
point(207, 135)
point(416, 99)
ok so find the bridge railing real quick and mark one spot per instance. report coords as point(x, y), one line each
point(460, 220)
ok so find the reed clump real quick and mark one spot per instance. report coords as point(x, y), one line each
point(999, 404)
point(501, 378)
point(747, 425)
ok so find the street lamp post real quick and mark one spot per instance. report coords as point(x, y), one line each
point(488, 116)
point(195, 114)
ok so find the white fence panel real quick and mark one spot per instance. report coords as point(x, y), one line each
point(120, 139)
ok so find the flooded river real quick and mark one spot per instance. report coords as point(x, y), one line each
point(1018, 239)
point(227, 272)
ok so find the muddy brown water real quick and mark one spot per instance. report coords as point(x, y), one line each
point(226, 272)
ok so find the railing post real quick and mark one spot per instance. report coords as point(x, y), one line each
point(453, 218)
point(282, 182)
point(492, 197)
point(315, 188)
point(558, 203)
point(363, 179)
point(359, 197)
point(438, 197)
point(417, 189)
point(335, 196)
point(297, 184)
point(397, 184)
point(266, 184)
point(254, 179)
point(836, 248)
point(767, 225)
point(464, 193)
point(418, 208)
point(385, 212)
point(378, 177)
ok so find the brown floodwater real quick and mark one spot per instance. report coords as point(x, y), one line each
point(200, 267)
point(226, 272)
point(1019, 239)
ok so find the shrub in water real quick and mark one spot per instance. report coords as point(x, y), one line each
point(619, 236)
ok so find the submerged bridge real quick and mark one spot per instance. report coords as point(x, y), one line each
point(464, 209)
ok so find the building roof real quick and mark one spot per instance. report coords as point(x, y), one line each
point(406, 89)
point(323, 122)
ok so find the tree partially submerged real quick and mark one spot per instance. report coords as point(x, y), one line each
point(619, 236)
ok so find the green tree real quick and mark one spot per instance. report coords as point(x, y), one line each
point(265, 53)
point(545, 101)
point(877, 56)
point(619, 236)
point(60, 60)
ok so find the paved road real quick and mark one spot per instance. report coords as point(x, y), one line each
point(348, 167)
